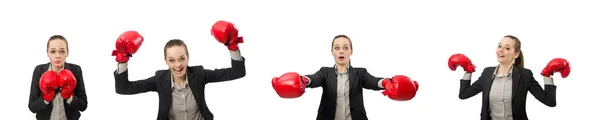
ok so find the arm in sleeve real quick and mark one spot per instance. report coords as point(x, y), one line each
point(237, 70)
point(370, 81)
point(548, 96)
point(125, 87)
point(467, 89)
point(316, 79)
point(79, 100)
point(36, 102)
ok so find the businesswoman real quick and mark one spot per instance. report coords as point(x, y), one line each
point(57, 88)
point(181, 87)
point(505, 86)
point(342, 97)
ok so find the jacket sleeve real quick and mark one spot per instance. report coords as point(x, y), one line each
point(547, 96)
point(370, 81)
point(468, 90)
point(125, 87)
point(237, 70)
point(316, 79)
point(36, 102)
point(80, 97)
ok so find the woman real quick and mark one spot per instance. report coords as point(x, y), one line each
point(505, 86)
point(342, 97)
point(181, 87)
point(57, 88)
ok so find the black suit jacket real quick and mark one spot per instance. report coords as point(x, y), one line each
point(523, 82)
point(36, 102)
point(358, 78)
point(198, 77)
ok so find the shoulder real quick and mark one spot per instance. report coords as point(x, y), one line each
point(161, 72)
point(325, 68)
point(360, 69)
point(198, 69)
point(72, 66)
point(40, 66)
point(489, 69)
point(39, 69)
point(526, 71)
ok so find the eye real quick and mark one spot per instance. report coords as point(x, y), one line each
point(336, 48)
point(62, 52)
point(53, 52)
point(182, 59)
point(346, 48)
point(499, 46)
point(507, 48)
point(171, 60)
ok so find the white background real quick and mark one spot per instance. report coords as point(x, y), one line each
point(408, 38)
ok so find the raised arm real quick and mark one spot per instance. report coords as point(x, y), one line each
point(548, 95)
point(237, 70)
point(467, 89)
point(125, 87)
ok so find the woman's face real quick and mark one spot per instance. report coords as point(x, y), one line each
point(177, 59)
point(506, 52)
point(57, 52)
point(341, 51)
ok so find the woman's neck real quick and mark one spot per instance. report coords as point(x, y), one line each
point(504, 68)
point(341, 68)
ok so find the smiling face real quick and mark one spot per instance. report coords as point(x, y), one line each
point(57, 52)
point(341, 50)
point(177, 60)
point(176, 57)
point(507, 51)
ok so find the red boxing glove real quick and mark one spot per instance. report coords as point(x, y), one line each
point(557, 65)
point(225, 32)
point(67, 81)
point(461, 60)
point(48, 84)
point(289, 85)
point(127, 44)
point(400, 88)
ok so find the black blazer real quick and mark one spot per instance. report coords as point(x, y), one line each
point(36, 102)
point(358, 78)
point(198, 77)
point(523, 82)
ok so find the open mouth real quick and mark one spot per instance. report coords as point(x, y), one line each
point(500, 56)
point(178, 71)
point(341, 58)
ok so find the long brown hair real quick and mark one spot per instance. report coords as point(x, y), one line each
point(519, 61)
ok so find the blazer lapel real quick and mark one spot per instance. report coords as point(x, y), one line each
point(192, 81)
point(516, 78)
point(332, 81)
point(166, 79)
point(351, 77)
point(65, 66)
point(489, 79)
